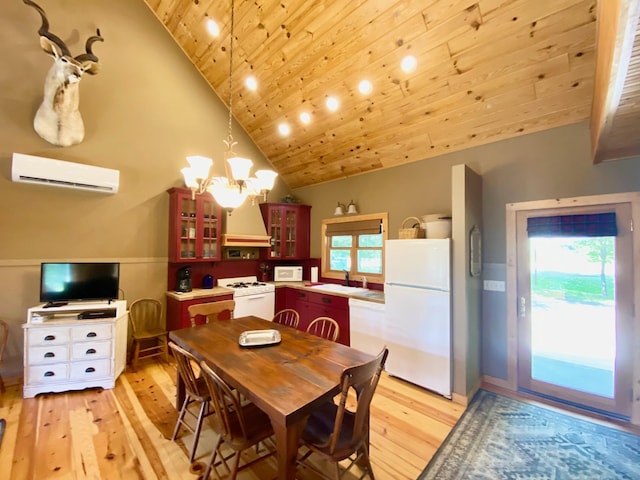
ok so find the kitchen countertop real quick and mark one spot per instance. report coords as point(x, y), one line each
point(371, 295)
point(376, 296)
point(199, 293)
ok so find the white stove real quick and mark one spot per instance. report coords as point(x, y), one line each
point(243, 286)
point(252, 297)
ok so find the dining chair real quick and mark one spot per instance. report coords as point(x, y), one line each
point(336, 433)
point(325, 327)
point(196, 390)
point(4, 335)
point(148, 329)
point(222, 310)
point(240, 425)
point(288, 317)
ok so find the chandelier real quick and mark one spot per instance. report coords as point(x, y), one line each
point(233, 189)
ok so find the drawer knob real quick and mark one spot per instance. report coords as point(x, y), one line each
point(49, 373)
point(90, 370)
point(90, 351)
point(92, 334)
point(49, 355)
point(48, 338)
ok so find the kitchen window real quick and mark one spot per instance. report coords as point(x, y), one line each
point(354, 244)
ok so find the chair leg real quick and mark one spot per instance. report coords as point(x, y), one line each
point(363, 452)
point(136, 352)
point(183, 410)
point(196, 433)
point(213, 460)
point(166, 349)
point(236, 463)
point(337, 471)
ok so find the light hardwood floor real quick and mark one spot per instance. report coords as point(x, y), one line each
point(125, 432)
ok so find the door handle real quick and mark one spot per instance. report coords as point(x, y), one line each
point(523, 307)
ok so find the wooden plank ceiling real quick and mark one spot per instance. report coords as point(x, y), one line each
point(487, 70)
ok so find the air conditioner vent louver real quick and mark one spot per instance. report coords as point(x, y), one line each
point(58, 173)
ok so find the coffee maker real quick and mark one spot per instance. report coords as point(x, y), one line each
point(183, 281)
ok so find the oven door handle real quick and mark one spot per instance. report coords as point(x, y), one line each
point(255, 297)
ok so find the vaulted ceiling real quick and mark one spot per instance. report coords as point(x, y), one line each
point(487, 70)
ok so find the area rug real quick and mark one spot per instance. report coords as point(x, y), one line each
point(500, 438)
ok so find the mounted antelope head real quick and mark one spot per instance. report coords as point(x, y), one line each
point(58, 119)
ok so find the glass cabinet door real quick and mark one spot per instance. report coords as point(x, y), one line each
point(188, 229)
point(290, 234)
point(210, 245)
point(276, 232)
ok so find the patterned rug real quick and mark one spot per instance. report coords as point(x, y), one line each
point(500, 438)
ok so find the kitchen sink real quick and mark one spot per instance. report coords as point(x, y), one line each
point(334, 287)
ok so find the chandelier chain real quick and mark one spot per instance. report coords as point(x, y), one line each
point(230, 138)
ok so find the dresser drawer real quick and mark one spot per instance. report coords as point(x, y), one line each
point(48, 336)
point(81, 333)
point(42, 374)
point(48, 354)
point(89, 370)
point(90, 350)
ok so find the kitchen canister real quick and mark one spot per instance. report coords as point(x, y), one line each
point(437, 225)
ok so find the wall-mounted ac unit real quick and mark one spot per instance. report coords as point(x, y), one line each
point(58, 173)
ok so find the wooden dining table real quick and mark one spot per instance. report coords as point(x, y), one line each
point(287, 380)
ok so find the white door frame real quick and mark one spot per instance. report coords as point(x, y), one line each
point(632, 198)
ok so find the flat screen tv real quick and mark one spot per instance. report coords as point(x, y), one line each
point(61, 283)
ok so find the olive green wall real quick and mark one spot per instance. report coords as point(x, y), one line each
point(144, 112)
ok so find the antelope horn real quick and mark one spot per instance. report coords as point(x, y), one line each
point(44, 28)
point(89, 56)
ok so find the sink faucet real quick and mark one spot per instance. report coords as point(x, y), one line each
point(346, 278)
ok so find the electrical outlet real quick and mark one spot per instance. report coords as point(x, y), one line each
point(494, 285)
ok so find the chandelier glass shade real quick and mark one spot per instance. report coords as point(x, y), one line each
point(233, 189)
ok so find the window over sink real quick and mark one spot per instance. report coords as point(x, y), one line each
point(354, 244)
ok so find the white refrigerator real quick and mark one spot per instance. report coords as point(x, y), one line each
point(417, 325)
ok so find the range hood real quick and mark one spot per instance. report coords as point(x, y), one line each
point(244, 227)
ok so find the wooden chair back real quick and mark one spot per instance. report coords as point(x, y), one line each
point(146, 316)
point(148, 329)
point(325, 327)
point(338, 433)
point(222, 310)
point(288, 317)
point(364, 380)
point(186, 362)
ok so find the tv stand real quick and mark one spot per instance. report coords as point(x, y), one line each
point(55, 304)
point(63, 352)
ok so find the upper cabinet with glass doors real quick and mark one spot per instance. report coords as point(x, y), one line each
point(289, 227)
point(194, 227)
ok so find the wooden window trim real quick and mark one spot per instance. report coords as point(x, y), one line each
point(325, 242)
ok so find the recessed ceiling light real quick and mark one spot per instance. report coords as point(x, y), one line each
point(251, 83)
point(305, 118)
point(365, 87)
point(332, 103)
point(409, 64)
point(212, 27)
point(284, 129)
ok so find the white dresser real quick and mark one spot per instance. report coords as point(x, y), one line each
point(64, 352)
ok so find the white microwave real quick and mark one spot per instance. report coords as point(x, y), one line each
point(287, 274)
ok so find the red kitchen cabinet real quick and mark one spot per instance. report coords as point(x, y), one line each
point(178, 315)
point(311, 305)
point(194, 227)
point(290, 230)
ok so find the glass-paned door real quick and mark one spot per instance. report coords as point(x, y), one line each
point(574, 292)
